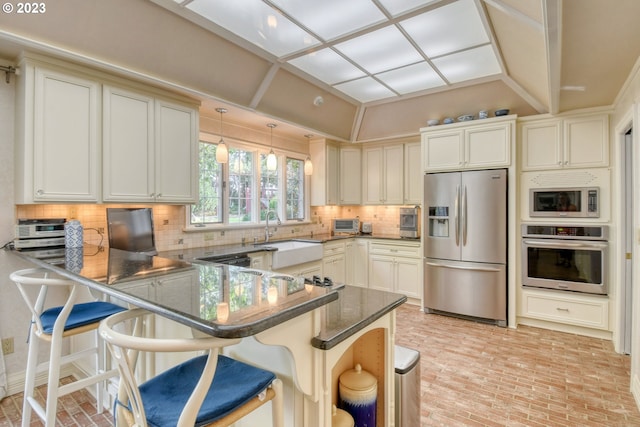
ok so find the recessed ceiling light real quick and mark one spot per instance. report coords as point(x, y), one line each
point(573, 88)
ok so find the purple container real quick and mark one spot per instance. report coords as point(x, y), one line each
point(359, 395)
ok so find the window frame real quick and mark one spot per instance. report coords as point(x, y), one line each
point(258, 150)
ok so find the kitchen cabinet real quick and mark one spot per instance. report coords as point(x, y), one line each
point(383, 176)
point(565, 308)
point(306, 270)
point(150, 148)
point(350, 176)
point(357, 262)
point(334, 261)
point(571, 142)
point(396, 267)
point(325, 179)
point(57, 135)
point(260, 260)
point(412, 174)
point(468, 145)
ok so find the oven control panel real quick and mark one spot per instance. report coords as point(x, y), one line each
point(554, 231)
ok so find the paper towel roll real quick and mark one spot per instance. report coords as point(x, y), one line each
point(73, 234)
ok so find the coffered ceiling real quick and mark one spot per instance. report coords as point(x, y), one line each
point(357, 70)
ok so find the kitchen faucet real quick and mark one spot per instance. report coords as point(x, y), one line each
point(267, 233)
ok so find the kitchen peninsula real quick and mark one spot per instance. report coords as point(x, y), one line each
point(325, 330)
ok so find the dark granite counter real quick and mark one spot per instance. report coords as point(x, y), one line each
point(222, 300)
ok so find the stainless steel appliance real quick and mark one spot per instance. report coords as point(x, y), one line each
point(367, 228)
point(565, 257)
point(465, 244)
point(574, 202)
point(410, 222)
point(131, 229)
point(346, 225)
point(40, 228)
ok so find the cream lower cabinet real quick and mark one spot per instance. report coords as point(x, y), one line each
point(334, 261)
point(396, 267)
point(57, 136)
point(150, 149)
point(306, 270)
point(357, 262)
point(588, 311)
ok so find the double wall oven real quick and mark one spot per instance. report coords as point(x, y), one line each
point(571, 257)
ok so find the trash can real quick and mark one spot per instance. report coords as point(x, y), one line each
point(407, 380)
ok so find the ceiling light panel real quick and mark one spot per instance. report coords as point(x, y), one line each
point(327, 66)
point(257, 23)
point(447, 29)
point(396, 7)
point(380, 50)
point(468, 65)
point(332, 18)
point(413, 78)
point(365, 89)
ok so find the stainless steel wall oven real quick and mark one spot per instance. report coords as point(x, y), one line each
point(565, 257)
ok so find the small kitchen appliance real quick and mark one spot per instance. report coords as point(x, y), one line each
point(346, 225)
point(367, 228)
point(410, 222)
point(574, 202)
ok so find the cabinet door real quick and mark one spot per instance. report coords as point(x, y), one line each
point(176, 153)
point(65, 138)
point(333, 178)
point(128, 146)
point(334, 267)
point(443, 150)
point(350, 176)
point(412, 174)
point(541, 145)
point(372, 159)
point(488, 146)
point(381, 273)
point(393, 178)
point(586, 142)
point(361, 264)
point(408, 277)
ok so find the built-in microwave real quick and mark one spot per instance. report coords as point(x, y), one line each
point(574, 202)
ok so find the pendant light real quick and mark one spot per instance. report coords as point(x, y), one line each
point(272, 161)
point(222, 153)
point(308, 166)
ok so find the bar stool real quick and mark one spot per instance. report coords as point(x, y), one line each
point(53, 325)
point(206, 390)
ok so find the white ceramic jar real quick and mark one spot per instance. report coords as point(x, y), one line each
point(358, 396)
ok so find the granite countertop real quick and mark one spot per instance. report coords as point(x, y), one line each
point(248, 248)
point(222, 300)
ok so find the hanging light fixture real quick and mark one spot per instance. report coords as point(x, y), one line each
point(222, 153)
point(272, 161)
point(308, 166)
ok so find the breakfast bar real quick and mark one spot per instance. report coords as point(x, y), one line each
point(314, 333)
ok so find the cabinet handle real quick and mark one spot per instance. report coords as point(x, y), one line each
point(39, 192)
point(566, 162)
point(562, 309)
point(560, 162)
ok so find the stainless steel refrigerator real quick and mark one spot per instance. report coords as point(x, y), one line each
point(465, 244)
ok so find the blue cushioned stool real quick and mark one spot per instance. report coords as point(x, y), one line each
point(207, 390)
point(53, 325)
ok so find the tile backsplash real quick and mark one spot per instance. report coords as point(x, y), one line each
point(169, 223)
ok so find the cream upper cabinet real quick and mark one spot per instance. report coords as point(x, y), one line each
point(572, 142)
point(412, 174)
point(324, 180)
point(57, 136)
point(383, 176)
point(350, 176)
point(149, 149)
point(468, 145)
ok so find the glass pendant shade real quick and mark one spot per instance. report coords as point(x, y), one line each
point(222, 153)
point(272, 161)
point(308, 167)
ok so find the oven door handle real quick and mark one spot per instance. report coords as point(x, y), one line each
point(565, 244)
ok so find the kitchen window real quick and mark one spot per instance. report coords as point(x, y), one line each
point(241, 192)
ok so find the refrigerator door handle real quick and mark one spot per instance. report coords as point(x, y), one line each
point(457, 267)
point(463, 216)
point(456, 213)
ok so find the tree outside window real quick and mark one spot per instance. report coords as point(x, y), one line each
point(210, 206)
point(269, 189)
point(241, 178)
point(294, 189)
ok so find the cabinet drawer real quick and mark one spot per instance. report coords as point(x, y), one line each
point(333, 248)
point(396, 249)
point(581, 311)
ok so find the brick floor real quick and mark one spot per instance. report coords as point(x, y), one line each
point(477, 375)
